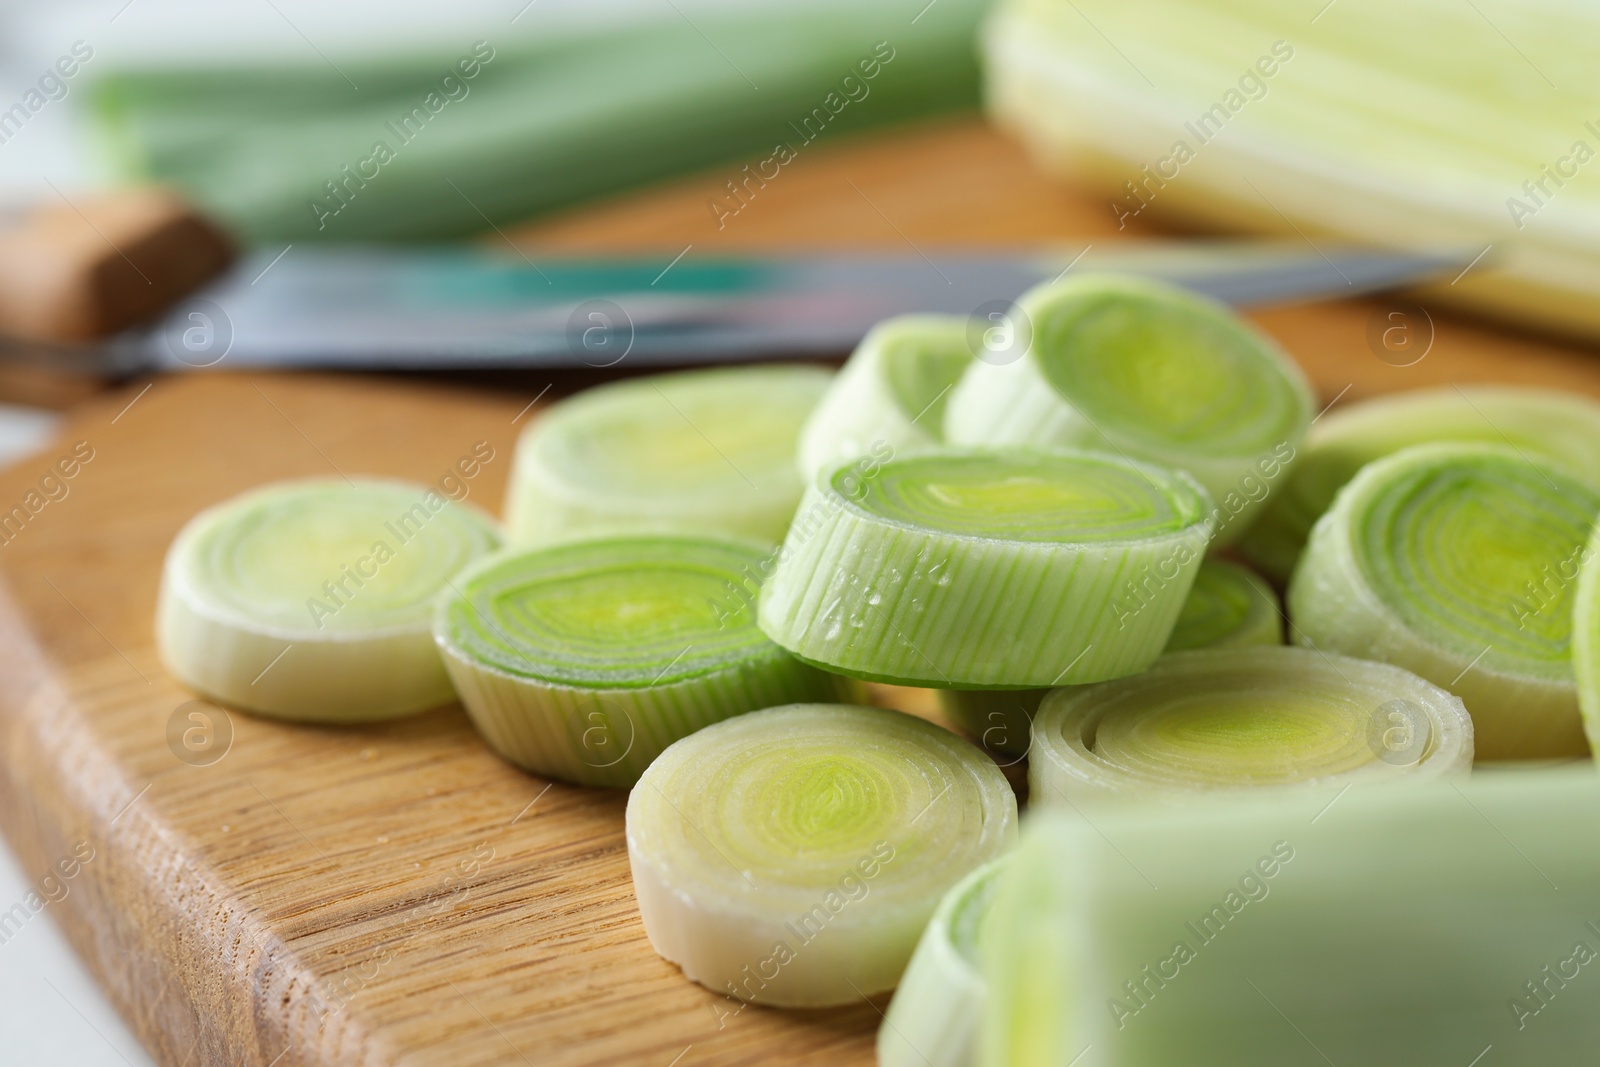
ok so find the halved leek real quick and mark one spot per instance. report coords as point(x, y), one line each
point(1202, 721)
point(1457, 562)
point(794, 855)
point(311, 600)
point(584, 661)
point(1150, 371)
point(934, 1017)
point(1227, 605)
point(1561, 428)
point(1386, 927)
point(890, 397)
point(987, 569)
point(704, 452)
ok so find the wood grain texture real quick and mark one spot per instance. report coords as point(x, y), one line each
point(396, 894)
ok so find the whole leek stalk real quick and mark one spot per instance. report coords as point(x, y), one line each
point(549, 120)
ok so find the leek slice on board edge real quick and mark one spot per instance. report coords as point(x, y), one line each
point(793, 856)
point(311, 600)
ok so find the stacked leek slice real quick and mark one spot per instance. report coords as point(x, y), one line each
point(1147, 371)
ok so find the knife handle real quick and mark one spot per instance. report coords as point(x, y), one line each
point(79, 270)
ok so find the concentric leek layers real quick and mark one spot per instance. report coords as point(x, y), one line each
point(987, 569)
point(1386, 927)
point(1458, 563)
point(1201, 721)
point(1559, 428)
point(1227, 605)
point(584, 661)
point(934, 1016)
point(1148, 371)
point(793, 856)
point(311, 600)
point(705, 452)
point(890, 397)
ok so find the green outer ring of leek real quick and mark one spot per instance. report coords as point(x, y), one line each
point(982, 569)
point(832, 831)
point(1226, 606)
point(1486, 614)
point(1221, 402)
point(1202, 721)
point(657, 658)
point(934, 1017)
point(703, 452)
point(1558, 427)
point(890, 396)
point(241, 618)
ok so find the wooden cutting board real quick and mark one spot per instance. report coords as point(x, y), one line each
point(396, 894)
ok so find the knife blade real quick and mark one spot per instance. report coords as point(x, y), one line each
point(376, 308)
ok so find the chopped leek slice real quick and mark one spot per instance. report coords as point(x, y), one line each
point(1558, 427)
point(583, 661)
point(1203, 721)
point(1586, 640)
point(1458, 562)
point(987, 569)
point(1227, 605)
point(311, 600)
point(793, 856)
point(704, 452)
point(1149, 371)
point(890, 397)
point(1389, 927)
point(934, 1016)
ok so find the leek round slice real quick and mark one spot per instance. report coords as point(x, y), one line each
point(1149, 371)
point(705, 452)
point(1586, 641)
point(1227, 605)
point(1458, 562)
point(583, 661)
point(1559, 428)
point(934, 1017)
point(988, 569)
point(891, 395)
point(793, 856)
point(1202, 721)
point(311, 600)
